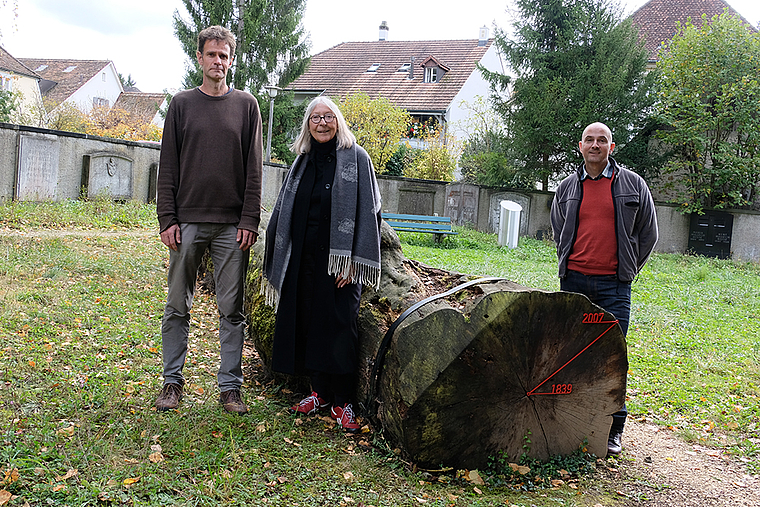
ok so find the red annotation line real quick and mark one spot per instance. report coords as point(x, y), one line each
point(533, 392)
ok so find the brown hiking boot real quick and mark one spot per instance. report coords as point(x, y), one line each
point(232, 402)
point(169, 397)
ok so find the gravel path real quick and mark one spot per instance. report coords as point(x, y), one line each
point(658, 469)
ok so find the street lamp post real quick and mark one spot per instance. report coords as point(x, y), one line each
point(272, 94)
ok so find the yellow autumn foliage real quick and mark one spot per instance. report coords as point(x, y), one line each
point(378, 125)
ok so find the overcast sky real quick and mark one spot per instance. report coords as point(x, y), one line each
point(137, 35)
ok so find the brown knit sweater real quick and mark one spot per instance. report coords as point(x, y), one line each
point(211, 160)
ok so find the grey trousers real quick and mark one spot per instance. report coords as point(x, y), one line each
point(230, 266)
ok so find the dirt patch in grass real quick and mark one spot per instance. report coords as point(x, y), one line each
point(659, 469)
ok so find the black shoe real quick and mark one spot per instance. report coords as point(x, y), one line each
point(615, 443)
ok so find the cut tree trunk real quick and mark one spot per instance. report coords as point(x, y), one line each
point(492, 368)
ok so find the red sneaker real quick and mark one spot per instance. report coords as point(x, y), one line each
point(345, 417)
point(309, 405)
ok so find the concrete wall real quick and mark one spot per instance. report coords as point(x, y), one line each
point(61, 159)
point(43, 164)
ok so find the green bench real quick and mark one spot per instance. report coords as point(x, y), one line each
point(440, 226)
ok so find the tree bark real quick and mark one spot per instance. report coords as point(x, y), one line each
point(495, 367)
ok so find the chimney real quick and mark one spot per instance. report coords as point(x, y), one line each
point(383, 31)
point(411, 69)
point(482, 35)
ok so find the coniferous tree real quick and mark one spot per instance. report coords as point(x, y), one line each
point(572, 62)
point(271, 43)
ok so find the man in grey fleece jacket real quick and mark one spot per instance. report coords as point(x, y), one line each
point(605, 227)
point(209, 197)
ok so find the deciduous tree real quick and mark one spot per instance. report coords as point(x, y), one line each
point(378, 125)
point(710, 103)
point(573, 62)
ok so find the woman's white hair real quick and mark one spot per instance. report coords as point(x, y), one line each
point(346, 138)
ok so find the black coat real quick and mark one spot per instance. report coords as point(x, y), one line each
point(316, 328)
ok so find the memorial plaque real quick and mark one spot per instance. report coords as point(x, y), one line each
point(412, 202)
point(462, 204)
point(110, 175)
point(710, 234)
point(37, 176)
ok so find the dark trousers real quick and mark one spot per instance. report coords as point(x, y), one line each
point(613, 296)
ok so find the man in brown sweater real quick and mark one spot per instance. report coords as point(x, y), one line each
point(209, 197)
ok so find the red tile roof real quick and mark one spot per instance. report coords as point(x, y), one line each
point(69, 75)
point(657, 19)
point(7, 62)
point(143, 106)
point(342, 70)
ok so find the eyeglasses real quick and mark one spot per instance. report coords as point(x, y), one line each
point(316, 118)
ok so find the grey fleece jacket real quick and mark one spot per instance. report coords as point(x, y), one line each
point(635, 219)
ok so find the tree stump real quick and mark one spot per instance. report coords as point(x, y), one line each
point(495, 367)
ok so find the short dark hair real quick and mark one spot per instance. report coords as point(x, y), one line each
point(216, 32)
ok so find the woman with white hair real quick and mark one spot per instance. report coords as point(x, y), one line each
point(322, 246)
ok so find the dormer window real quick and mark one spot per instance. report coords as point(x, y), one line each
point(373, 67)
point(434, 70)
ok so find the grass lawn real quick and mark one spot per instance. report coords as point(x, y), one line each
point(82, 288)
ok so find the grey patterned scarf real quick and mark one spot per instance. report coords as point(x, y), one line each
point(354, 224)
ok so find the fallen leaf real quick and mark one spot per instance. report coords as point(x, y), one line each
point(59, 487)
point(451, 497)
point(5, 497)
point(130, 480)
point(11, 476)
point(261, 428)
point(68, 475)
point(348, 499)
point(477, 490)
point(131, 461)
point(474, 477)
point(153, 350)
point(557, 482)
point(282, 480)
point(156, 457)
point(522, 470)
point(573, 485)
point(67, 431)
point(156, 448)
point(216, 434)
point(349, 476)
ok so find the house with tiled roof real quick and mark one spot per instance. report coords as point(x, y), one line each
point(658, 20)
point(17, 77)
point(144, 107)
point(429, 79)
point(84, 83)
